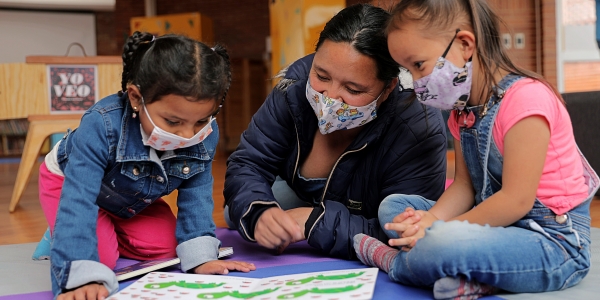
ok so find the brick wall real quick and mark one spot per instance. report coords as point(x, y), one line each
point(519, 18)
point(581, 76)
point(105, 36)
point(242, 26)
point(125, 10)
point(549, 40)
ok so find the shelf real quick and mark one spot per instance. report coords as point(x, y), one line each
point(12, 136)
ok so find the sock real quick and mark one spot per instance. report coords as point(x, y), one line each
point(42, 250)
point(374, 253)
point(460, 289)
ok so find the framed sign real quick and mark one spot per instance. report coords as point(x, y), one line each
point(72, 88)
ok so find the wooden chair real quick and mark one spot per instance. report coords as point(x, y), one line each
point(40, 128)
point(33, 74)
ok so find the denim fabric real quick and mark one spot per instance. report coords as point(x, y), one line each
point(535, 254)
point(106, 165)
point(389, 209)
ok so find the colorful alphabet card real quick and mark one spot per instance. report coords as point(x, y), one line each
point(328, 285)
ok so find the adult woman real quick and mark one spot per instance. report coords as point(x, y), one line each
point(340, 137)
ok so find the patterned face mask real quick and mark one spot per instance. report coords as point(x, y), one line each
point(334, 114)
point(448, 86)
point(162, 140)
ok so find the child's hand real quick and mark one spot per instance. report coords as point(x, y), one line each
point(222, 267)
point(411, 227)
point(90, 291)
point(409, 216)
point(404, 221)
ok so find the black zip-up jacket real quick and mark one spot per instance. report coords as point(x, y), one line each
point(402, 151)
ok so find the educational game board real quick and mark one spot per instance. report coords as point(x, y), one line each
point(339, 284)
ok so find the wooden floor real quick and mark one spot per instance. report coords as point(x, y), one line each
point(27, 223)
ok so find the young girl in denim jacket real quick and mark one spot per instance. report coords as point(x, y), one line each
point(516, 216)
point(101, 185)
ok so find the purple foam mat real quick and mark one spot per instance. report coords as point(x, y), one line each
point(384, 288)
point(297, 258)
point(296, 253)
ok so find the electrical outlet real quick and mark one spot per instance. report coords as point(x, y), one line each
point(519, 40)
point(507, 40)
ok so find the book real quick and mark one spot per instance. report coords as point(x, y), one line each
point(147, 266)
point(338, 284)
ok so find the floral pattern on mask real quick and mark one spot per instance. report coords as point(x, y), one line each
point(334, 114)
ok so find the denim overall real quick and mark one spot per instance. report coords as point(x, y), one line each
point(541, 252)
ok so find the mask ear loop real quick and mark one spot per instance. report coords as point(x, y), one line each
point(452, 41)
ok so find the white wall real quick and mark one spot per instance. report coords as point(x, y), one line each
point(24, 33)
point(580, 43)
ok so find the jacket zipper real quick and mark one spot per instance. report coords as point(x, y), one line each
point(298, 154)
point(327, 185)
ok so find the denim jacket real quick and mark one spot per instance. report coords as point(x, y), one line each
point(107, 166)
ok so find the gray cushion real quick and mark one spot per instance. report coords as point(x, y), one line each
point(584, 109)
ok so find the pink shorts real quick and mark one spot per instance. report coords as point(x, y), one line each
point(148, 235)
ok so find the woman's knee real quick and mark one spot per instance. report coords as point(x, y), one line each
point(227, 218)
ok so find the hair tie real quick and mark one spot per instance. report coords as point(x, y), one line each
point(148, 42)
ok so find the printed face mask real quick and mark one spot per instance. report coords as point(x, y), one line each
point(334, 114)
point(163, 141)
point(448, 86)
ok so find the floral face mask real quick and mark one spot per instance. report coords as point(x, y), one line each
point(334, 114)
point(162, 140)
point(448, 86)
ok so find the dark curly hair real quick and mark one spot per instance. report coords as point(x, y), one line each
point(175, 64)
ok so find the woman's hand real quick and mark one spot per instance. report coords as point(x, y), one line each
point(410, 226)
point(276, 229)
point(300, 215)
point(222, 267)
point(92, 291)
